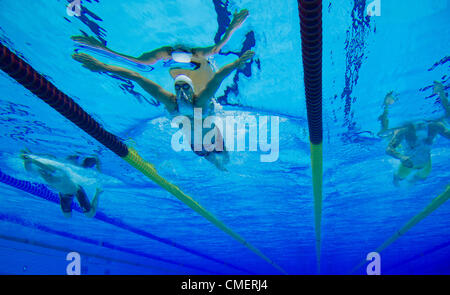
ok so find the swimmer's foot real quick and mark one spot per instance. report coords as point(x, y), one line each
point(67, 214)
point(88, 40)
point(218, 161)
point(94, 204)
point(89, 62)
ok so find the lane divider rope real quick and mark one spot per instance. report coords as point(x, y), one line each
point(434, 204)
point(44, 89)
point(310, 13)
point(42, 191)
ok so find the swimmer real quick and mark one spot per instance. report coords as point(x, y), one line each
point(61, 178)
point(197, 56)
point(417, 140)
point(185, 98)
point(391, 98)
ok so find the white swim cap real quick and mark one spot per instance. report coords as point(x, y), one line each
point(185, 79)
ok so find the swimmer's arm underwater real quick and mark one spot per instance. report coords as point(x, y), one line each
point(147, 58)
point(46, 167)
point(213, 85)
point(165, 52)
point(47, 171)
point(439, 89)
point(394, 143)
point(439, 128)
point(163, 96)
point(391, 150)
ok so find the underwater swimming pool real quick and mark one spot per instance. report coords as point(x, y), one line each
point(144, 229)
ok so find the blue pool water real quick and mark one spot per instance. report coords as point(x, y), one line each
point(404, 49)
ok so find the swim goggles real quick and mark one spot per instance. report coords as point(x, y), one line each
point(184, 86)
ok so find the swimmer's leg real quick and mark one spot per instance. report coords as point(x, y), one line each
point(422, 174)
point(89, 209)
point(219, 159)
point(401, 174)
point(94, 204)
point(83, 200)
point(219, 155)
point(66, 204)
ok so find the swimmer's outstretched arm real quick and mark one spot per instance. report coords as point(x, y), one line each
point(211, 87)
point(165, 52)
point(439, 89)
point(147, 58)
point(45, 167)
point(163, 96)
point(238, 19)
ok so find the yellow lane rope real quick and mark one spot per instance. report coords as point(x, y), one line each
point(135, 160)
point(317, 178)
point(434, 204)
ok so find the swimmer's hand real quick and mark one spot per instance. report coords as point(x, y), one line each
point(389, 98)
point(240, 63)
point(406, 161)
point(238, 19)
point(88, 40)
point(89, 62)
point(438, 87)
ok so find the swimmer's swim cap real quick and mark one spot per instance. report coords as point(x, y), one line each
point(185, 79)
